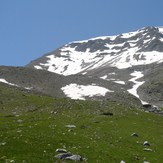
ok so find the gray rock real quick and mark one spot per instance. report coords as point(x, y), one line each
point(63, 156)
point(146, 143)
point(147, 149)
point(74, 158)
point(134, 134)
point(70, 126)
point(122, 161)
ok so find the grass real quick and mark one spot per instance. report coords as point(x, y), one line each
point(32, 127)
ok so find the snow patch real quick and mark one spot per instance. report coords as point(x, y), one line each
point(84, 73)
point(112, 73)
point(146, 41)
point(38, 67)
point(130, 34)
point(104, 77)
point(75, 91)
point(4, 81)
point(136, 75)
point(28, 88)
point(161, 39)
point(96, 38)
point(119, 82)
point(160, 29)
point(127, 59)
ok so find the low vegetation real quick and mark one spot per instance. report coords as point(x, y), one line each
point(33, 126)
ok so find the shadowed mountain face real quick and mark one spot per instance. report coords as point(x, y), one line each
point(123, 67)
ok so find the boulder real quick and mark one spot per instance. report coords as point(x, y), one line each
point(134, 134)
point(63, 156)
point(147, 149)
point(122, 161)
point(146, 143)
point(74, 158)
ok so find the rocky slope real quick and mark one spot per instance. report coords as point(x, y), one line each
point(108, 67)
point(74, 86)
point(130, 60)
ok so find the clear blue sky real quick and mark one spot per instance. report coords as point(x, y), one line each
point(31, 28)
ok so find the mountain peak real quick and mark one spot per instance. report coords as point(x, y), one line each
point(126, 50)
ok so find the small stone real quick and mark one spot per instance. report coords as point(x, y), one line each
point(19, 120)
point(146, 143)
point(74, 158)
point(122, 161)
point(134, 134)
point(61, 150)
point(3, 157)
point(3, 143)
point(147, 149)
point(63, 156)
point(70, 126)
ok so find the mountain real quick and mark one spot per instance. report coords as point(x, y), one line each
point(142, 47)
point(130, 60)
point(126, 67)
point(117, 74)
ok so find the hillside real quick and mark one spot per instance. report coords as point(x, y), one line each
point(98, 100)
point(52, 84)
point(33, 126)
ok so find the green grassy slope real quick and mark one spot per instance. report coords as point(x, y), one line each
point(32, 127)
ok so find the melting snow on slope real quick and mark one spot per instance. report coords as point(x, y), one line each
point(136, 75)
point(38, 67)
point(104, 77)
point(117, 55)
point(75, 91)
point(119, 82)
point(128, 35)
point(144, 58)
point(70, 62)
point(4, 81)
point(161, 29)
point(96, 38)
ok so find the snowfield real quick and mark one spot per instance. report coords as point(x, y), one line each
point(75, 91)
point(136, 75)
point(116, 54)
point(6, 82)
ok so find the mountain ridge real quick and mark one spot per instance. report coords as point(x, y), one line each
point(107, 49)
